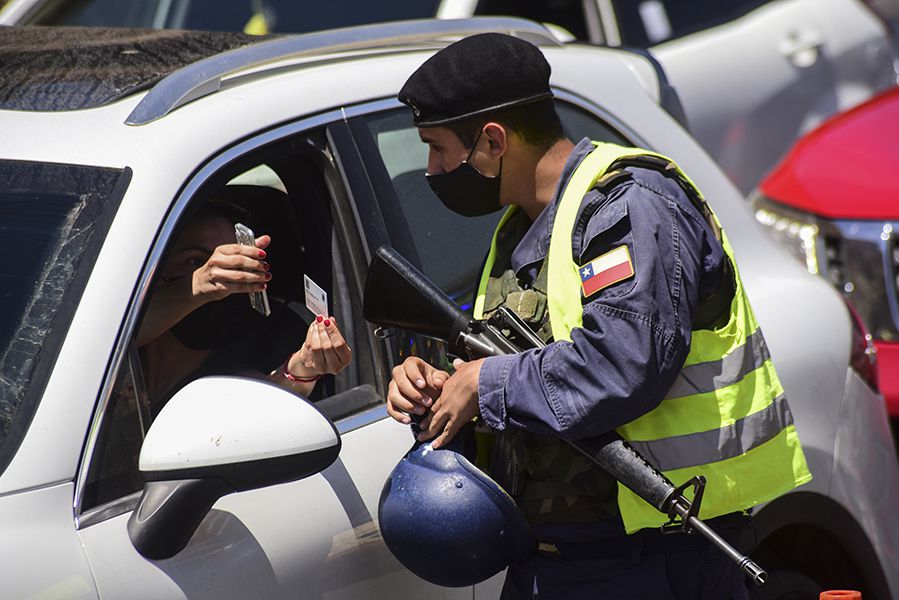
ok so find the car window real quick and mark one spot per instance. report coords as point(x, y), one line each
point(643, 23)
point(579, 123)
point(284, 197)
point(113, 472)
point(251, 16)
point(55, 218)
point(278, 191)
point(449, 248)
point(447, 244)
point(569, 14)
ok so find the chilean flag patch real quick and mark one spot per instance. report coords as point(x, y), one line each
point(612, 267)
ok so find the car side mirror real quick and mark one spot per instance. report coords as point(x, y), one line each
point(219, 435)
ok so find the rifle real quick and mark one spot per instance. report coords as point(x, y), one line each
point(397, 295)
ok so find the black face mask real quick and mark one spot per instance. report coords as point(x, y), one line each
point(467, 191)
point(219, 323)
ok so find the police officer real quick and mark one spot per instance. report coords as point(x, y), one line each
point(611, 255)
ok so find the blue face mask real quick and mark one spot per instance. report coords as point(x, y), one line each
point(467, 191)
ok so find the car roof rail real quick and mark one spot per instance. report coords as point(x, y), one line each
point(205, 76)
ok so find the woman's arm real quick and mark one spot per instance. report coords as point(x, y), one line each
point(323, 352)
point(230, 269)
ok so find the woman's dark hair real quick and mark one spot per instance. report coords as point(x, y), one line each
point(537, 123)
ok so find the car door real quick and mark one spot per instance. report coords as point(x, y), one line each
point(313, 538)
point(753, 75)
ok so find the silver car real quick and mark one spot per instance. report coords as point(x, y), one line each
point(111, 137)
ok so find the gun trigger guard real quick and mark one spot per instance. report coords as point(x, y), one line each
point(678, 525)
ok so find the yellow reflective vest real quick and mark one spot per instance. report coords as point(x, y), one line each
point(725, 416)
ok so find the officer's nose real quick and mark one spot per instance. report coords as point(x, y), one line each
point(434, 166)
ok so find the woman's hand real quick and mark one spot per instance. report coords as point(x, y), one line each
point(323, 352)
point(184, 286)
point(232, 269)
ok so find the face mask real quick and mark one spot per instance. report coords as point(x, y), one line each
point(219, 323)
point(467, 191)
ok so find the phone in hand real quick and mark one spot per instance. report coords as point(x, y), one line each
point(258, 300)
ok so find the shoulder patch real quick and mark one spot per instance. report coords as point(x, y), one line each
point(601, 272)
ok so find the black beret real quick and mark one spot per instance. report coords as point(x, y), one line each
point(475, 75)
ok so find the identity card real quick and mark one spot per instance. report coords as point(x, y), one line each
point(316, 298)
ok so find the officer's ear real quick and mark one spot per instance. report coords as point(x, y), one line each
point(497, 139)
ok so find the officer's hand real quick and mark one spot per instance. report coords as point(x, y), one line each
point(456, 406)
point(414, 387)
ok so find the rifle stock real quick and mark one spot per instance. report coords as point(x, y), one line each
point(399, 295)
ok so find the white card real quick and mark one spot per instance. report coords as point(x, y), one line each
point(316, 298)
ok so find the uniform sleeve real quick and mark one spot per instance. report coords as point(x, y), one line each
point(636, 331)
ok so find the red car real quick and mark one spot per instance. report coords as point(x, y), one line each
point(834, 201)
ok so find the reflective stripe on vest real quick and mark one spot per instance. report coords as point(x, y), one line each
point(725, 417)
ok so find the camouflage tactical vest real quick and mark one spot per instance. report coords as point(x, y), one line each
point(548, 479)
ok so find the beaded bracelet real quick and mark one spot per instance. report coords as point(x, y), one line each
point(288, 375)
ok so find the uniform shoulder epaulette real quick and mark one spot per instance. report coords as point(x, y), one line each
point(607, 182)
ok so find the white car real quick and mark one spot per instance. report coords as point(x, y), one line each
point(752, 75)
point(111, 137)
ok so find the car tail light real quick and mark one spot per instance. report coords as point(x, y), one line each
point(863, 357)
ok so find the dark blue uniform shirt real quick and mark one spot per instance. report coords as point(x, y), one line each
point(635, 334)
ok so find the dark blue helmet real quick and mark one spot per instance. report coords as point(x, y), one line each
point(447, 521)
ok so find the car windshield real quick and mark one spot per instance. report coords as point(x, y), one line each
point(53, 218)
point(250, 16)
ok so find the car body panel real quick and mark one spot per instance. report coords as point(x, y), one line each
point(40, 551)
point(866, 440)
point(761, 99)
point(255, 544)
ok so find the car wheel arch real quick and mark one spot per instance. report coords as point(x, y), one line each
point(812, 534)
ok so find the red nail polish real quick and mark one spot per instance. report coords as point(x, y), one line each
point(262, 254)
point(319, 319)
point(327, 322)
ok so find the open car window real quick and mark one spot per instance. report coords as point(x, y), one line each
point(279, 191)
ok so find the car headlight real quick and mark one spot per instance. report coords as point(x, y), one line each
point(794, 230)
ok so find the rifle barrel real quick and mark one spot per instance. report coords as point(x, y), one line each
point(747, 565)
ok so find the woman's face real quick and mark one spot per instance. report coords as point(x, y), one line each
point(196, 244)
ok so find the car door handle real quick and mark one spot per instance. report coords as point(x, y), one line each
point(801, 47)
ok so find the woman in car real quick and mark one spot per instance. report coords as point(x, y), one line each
point(199, 320)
